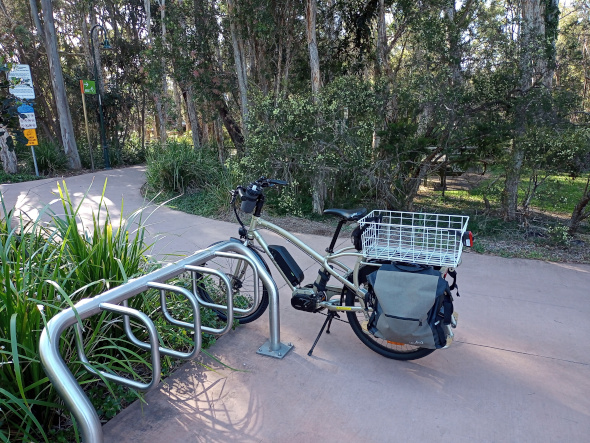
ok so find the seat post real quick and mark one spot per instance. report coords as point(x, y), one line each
point(330, 249)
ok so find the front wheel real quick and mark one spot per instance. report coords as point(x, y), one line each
point(358, 323)
point(241, 277)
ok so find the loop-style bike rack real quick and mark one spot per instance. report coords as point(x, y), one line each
point(115, 301)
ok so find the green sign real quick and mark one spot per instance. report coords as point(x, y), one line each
point(89, 86)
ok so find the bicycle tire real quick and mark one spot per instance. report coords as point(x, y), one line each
point(395, 351)
point(212, 290)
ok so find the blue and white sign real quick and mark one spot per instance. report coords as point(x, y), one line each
point(26, 116)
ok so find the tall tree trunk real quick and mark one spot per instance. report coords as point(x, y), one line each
point(218, 129)
point(85, 43)
point(319, 190)
point(59, 88)
point(192, 115)
point(532, 68)
point(97, 54)
point(148, 18)
point(161, 104)
point(318, 186)
point(143, 121)
point(314, 59)
point(231, 126)
point(381, 52)
point(581, 211)
point(7, 155)
point(239, 60)
point(160, 119)
point(205, 126)
point(178, 104)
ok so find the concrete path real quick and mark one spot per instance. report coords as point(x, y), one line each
point(519, 370)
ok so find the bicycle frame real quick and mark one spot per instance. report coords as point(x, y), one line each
point(323, 261)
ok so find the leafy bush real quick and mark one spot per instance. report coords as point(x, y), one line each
point(16, 178)
point(50, 158)
point(47, 267)
point(559, 235)
point(178, 167)
point(300, 140)
point(129, 153)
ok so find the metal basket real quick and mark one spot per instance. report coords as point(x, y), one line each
point(415, 237)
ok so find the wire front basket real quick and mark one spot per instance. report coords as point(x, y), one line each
point(415, 237)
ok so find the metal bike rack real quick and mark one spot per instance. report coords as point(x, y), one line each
point(115, 301)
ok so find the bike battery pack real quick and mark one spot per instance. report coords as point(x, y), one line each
point(287, 264)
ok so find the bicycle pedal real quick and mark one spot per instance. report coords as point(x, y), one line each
point(364, 325)
point(454, 319)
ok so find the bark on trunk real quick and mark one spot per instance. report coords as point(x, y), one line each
point(533, 68)
point(205, 126)
point(314, 60)
point(319, 191)
point(510, 198)
point(97, 55)
point(231, 126)
point(148, 18)
point(7, 156)
point(192, 116)
point(581, 211)
point(86, 44)
point(239, 60)
point(161, 106)
point(160, 119)
point(59, 89)
point(178, 104)
point(218, 128)
point(381, 59)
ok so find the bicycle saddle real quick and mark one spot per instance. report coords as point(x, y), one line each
point(347, 214)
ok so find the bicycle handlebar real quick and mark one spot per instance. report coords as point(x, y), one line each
point(249, 195)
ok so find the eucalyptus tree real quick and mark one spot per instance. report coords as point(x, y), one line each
point(59, 90)
point(537, 23)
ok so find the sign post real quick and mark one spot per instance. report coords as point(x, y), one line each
point(87, 87)
point(21, 86)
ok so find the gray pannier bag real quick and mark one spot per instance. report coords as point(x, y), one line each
point(413, 305)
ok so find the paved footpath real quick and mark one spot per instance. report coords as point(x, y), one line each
point(519, 370)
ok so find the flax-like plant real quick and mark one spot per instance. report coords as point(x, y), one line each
point(28, 257)
point(45, 268)
point(104, 253)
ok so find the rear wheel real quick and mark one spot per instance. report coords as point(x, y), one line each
point(358, 321)
point(212, 289)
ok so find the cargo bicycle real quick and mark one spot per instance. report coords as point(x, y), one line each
point(412, 244)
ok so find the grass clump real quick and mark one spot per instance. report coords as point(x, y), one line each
point(47, 267)
point(178, 167)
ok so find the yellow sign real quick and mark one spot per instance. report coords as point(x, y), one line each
point(31, 136)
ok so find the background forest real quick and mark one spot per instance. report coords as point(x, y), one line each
point(349, 100)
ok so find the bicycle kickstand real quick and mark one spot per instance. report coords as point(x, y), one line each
point(328, 322)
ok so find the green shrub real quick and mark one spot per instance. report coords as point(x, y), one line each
point(128, 153)
point(50, 158)
point(46, 268)
point(16, 178)
point(178, 167)
point(298, 139)
point(559, 235)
